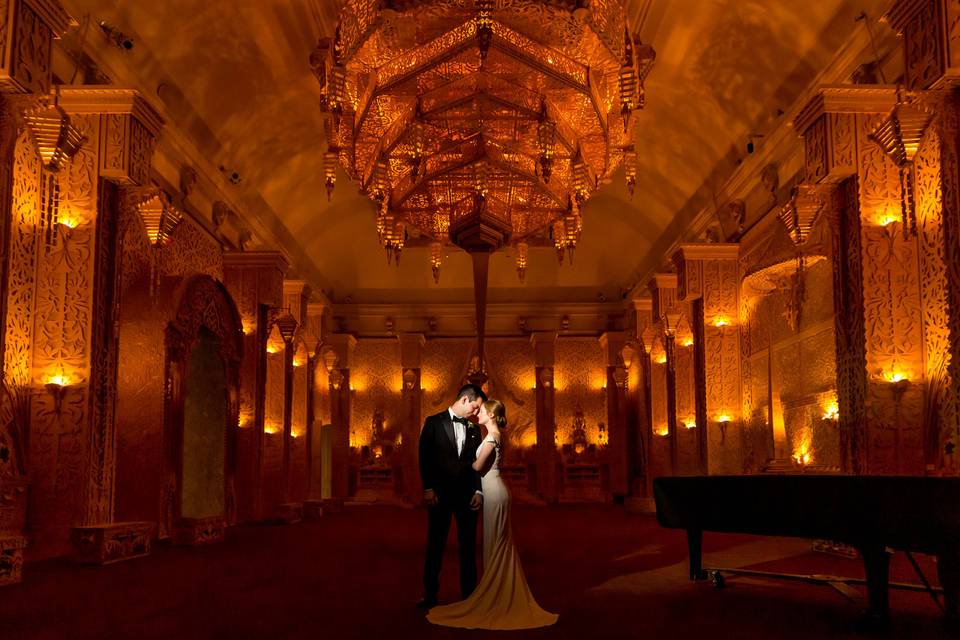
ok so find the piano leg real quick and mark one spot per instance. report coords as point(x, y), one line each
point(948, 570)
point(695, 548)
point(876, 564)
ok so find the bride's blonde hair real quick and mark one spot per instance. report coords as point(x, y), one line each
point(497, 412)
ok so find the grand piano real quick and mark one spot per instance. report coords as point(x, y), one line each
point(873, 514)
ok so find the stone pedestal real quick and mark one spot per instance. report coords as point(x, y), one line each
point(199, 531)
point(107, 543)
point(312, 510)
point(290, 512)
point(11, 559)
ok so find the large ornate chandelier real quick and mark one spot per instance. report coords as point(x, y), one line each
point(483, 123)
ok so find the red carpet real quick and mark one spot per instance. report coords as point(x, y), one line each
point(357, 575)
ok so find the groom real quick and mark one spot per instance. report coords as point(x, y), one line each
point(451, 489)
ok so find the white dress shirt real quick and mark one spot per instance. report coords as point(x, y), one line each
point(459, 431)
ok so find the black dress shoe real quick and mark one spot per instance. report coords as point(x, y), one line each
point(427, 603)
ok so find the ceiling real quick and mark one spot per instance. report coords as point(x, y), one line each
point(234, 75)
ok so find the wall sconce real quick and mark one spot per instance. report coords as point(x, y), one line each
point(57, 140)
point(899, 380)
point(721, 322)
point(295, 433)
point(723, 420)
point(690, 424)
point(687, 342)
point(297, 362)
point(831, 412)
point(660, 358)
point(336, 379)
point(885, 216)
point(56, 386)
point(662, 431)
point(271, 428)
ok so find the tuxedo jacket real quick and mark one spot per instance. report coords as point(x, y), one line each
point(451, 476)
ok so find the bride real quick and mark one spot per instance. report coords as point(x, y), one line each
point(502, 600)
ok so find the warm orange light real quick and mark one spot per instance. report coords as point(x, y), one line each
point(68, 221)
point(895, 375)
point(271, 349)
point(802, 456)
point(297, 362)
point(723, 418)
point(662, 430)
point(831, 411)
point(721, 321)
point(688, 342)
point(271, 428)
point(885, 215)
point(661, 359)
point(690, 424)
point(295, 433)
point(58, 380)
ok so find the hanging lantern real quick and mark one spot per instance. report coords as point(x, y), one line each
point(899, 136)
point(546, 140)
point(581, 177)
point(559, 239)
point(572, 224)
point(522, 260)
point(399, 240)
point(628, 83)
point(484, 27)
point(287, 326)
point(417, 141)
point(381, 181)
point(330, 170)
point(630, 164)
point(57, 140)
point(436, 256)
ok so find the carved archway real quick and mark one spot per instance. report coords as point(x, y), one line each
point(204, 314)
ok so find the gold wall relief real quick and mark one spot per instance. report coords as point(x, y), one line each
point(892, 320)
point(27, 30)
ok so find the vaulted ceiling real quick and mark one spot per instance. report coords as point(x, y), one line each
point(234, 76)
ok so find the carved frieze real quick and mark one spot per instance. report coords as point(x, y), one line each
point(27, 30)
point(931, 41)
point(128, 130)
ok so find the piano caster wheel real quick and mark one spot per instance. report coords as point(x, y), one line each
point(717, 579)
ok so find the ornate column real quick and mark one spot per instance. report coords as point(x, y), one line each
point(312, 339)
point(411, 349)
point(931, 43)
point(295, 295)
point(640, 369)
point(255, 281)
point(122, 128)
point(544, 356)
point(932, 60)
point(613, 343)
point(707, 281)
point(341, 346)
point(666, 313)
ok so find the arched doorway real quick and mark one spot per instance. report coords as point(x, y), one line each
point(201, 412)
point(205, 428)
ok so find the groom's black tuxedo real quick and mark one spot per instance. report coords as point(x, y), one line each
point(453, 480)
point(450, 475)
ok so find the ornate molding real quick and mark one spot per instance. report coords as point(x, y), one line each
point(129, 128)
point(27, 30)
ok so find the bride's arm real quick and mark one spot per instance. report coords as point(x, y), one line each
point(480, 463)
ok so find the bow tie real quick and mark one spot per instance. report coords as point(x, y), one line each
point(462, 421)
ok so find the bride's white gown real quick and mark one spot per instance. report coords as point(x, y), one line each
point(502, 600)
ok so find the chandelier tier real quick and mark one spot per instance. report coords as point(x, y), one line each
point(484, 123)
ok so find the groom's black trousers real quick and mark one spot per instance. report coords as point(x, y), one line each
point(439, 527)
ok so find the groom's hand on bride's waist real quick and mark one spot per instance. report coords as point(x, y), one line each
point(477, 501)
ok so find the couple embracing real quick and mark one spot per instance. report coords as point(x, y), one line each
point(460, 472)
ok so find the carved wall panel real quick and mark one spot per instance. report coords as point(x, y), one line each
point(27, 41)
point(272, 482)
point(377, 378)
point(192, 250)
point(62, 321)
point(892, 320)
point(444, 364)
point(510, 367)
point(687, 453)
point(923, 47)
point(722, 364)
point(579, 378)
point(298, 428)
point(21, 282)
